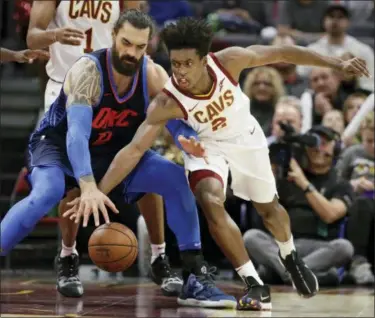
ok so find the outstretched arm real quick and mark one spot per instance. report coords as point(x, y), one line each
point(83, 89)
point(235, 59)
point(26, 56)
point(161, 109)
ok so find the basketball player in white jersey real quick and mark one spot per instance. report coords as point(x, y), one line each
point(70, 29)
point(204, 91)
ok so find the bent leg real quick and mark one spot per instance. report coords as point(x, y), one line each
point(48, 187)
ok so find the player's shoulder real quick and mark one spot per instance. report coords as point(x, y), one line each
point(154, 70)
point(157, 77)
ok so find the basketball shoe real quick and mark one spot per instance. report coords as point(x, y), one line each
point(68, 282)
point(257, 297)
point(304, 280)
point(161, 274)
point(200, 290)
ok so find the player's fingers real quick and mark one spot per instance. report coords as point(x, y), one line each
point(361, 67)
point(104, 211)
point(71, 41)
point(86, 215)
point(76, 32)
point(108, 202)
point(95, 212)
point(181, 138)
point(69, 212)
point(74, 202)
point(81, 211)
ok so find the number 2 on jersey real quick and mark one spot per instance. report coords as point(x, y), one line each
point(88, 48)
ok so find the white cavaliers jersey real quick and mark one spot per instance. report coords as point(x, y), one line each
point(221, 115)
point(95, 18)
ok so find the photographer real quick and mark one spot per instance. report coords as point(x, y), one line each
point(317, 203)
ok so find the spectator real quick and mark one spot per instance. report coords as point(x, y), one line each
point(287, 111)
point(361, 11)
point(336, 42)
point(164, 11)
point(293, 82)
point(357, 166)
point(317, 203)
point(357, 162)
point(352, 105)
point(301, 19)
point(334, 119)
point(264, 86)
point(261, 13)
point(324, 96)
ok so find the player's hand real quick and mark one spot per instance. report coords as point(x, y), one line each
point(28, 56)
point(355, 67)
point(90, 202)
point(193, 147)
point(69, 36)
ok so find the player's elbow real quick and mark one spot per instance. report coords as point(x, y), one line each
point(31, 41)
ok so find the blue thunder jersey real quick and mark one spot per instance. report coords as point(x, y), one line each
point(115, 119)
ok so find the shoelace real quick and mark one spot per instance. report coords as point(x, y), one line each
point(69, 269)
point(208, 279)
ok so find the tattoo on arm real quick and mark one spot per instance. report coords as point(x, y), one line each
point(83, 83)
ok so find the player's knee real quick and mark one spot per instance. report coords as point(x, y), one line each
point(267, 210)
point(213, 206)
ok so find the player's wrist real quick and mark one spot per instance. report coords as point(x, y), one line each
point(87, 183)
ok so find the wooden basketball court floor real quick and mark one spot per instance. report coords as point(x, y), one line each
point(34, 295)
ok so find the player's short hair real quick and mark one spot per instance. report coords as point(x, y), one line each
point(137, 19)
point(188, 33)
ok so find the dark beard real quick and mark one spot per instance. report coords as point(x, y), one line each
point(120, 65)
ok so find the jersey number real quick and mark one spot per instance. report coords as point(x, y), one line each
point(218, 123)
point(103, 138)
point(88, 48)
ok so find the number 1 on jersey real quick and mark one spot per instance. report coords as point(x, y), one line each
point(88, 48)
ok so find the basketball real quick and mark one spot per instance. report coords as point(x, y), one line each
point(113, 247)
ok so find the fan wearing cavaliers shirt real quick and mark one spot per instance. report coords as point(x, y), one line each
point(205, 93)
point(71, 29)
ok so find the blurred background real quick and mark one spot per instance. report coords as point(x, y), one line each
point(299, 96)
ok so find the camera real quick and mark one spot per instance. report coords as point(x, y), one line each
point(291, 145)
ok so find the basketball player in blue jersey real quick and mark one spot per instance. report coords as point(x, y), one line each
point(70, 28)
point(97, 113)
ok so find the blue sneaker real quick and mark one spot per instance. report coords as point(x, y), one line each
point(200, 291)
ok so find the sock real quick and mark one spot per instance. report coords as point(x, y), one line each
point(66, 251)
point(157, 250)
point(192, 263)
point(287, 247)
point(48, 188)
point(247, 270)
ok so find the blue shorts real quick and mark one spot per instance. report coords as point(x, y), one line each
point(143, 179)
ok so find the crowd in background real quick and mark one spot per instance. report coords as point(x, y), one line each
point(336, 249)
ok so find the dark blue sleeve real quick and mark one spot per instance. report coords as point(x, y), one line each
point(178, 127)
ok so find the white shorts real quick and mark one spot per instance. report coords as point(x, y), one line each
point(51, 93)
point(247, 158)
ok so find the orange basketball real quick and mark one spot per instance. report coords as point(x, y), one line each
point(113, 247)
